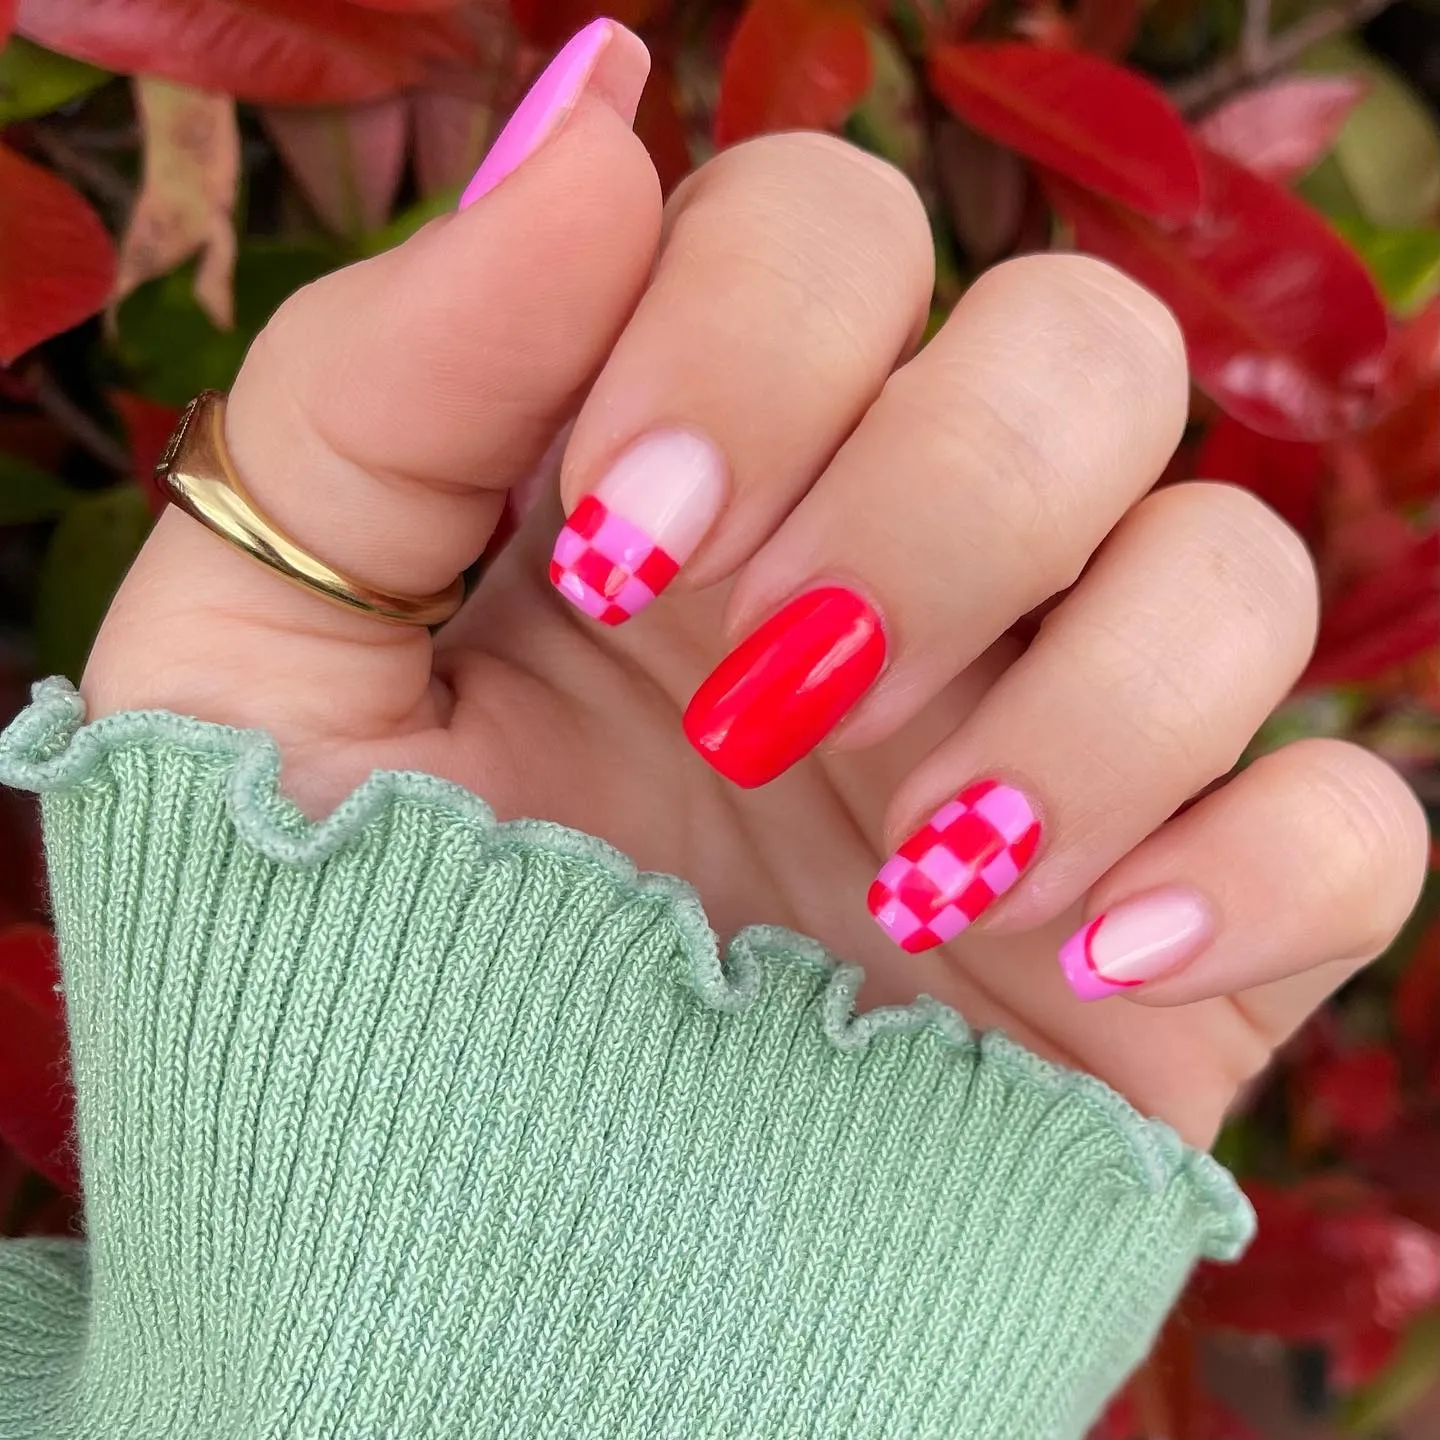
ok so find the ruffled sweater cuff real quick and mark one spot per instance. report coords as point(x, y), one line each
point(412, 1123)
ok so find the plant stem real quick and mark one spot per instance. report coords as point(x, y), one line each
point(105, 184)
point(84, 431)
point(1255, 33)
point(1260, 55)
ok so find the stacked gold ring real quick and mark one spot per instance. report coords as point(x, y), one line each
point(198, 474)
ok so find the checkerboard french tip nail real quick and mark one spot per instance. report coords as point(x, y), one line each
point(543, 110)
point(624, 542)
point(1135, 942)
point(955, 866)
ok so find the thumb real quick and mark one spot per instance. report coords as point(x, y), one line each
point(383, 413)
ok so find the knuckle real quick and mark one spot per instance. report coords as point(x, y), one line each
point(1369, 836)
point(1170, 711)
point(1025, 509)
point(837, 220)
point(1122, 343)
point(821, 342)
point(1243, 551)
point(1128, 305)
point(828, 165)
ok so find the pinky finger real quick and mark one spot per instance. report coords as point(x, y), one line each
point(1299, 870)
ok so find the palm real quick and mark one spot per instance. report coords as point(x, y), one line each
point(559, 718)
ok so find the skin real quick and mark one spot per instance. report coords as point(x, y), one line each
point(774, 305)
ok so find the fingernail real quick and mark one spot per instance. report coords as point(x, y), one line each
point(623, 544)
point(955, 866)
point(1135, 941)
point(781, 691)
point(543, 110)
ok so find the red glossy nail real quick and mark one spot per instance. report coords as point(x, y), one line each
point(781, 690)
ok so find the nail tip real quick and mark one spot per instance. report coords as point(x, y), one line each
point(782, 689)
point(1086, 985)
point(571, 68)
point(716, 761)
point(712, 750)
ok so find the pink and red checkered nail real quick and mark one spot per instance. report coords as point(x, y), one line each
point(954, 867)
point(607, 566)
point(625, 542)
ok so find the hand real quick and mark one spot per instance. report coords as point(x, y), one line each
point(742, 372)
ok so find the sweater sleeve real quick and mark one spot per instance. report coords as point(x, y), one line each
point(408, 1123)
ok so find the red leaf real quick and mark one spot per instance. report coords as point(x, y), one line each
point(1406, 1164)
point(22, 886)
point(1413, 356)
point(1381, 620)
point(451, 136)
point(275, 52)
point(659, 124)
point(1286, 474)
point(1330, 1262)
point(984, 188)
point(1166, 1388)
point(1210, 1419)
point(1284, 326)
point(792, 65)
point(57, 261)
point(1403, 447)
point(1357, 1359)
point(36, 1102)
point(1351, 1094)
point(1415, 1001)
point(1096, 123)
point(409, 7)
point(348, 160)
point(7, 18)
point(148, 425)
point(1280, 130)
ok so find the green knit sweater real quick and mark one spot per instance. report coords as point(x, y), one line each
point(412, 1124)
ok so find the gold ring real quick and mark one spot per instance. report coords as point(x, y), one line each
point(198, 474)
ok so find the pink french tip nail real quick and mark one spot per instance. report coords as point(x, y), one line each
point(1134, 942)
point(955, 866)
point(626, 540)
point(543, 110)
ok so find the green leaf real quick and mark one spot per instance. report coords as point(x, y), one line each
point(170, 347)
point(28, 493)
point(1405, 263)
point(407, 222)
point(1234, 1144)
point(1332, 712)
point(887, 121)
point(89, 553)
point(1326, 189)
point(34, 80)
point(1389, 148)
point(1406, 1379)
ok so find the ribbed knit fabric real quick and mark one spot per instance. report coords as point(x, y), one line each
point(409, 1124)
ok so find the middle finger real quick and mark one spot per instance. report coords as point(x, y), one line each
point(977, 486)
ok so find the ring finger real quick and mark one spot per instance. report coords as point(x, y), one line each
point(1143, 686)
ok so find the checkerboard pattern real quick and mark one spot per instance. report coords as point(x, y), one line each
point(950, 870)
point(607, 565)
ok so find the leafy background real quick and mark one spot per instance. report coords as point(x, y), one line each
point(171, 169)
